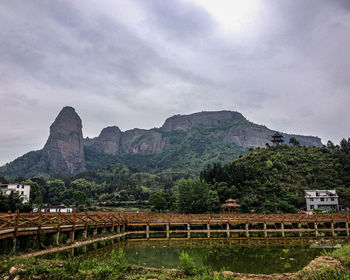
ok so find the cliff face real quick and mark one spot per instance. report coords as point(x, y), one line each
point(107, 142)
point(186, 122)
point(141, 141)
point(64, 148)
point(135, 141)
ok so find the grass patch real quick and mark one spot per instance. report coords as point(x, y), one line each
point(343, 254)
point(326, 273)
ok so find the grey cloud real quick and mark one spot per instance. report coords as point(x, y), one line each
point(179, 20)
point(290, 74)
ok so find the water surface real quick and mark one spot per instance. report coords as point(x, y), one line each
point(244, 255)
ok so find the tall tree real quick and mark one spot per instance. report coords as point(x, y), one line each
point(55, 190)
point(294, 141)
point(193, 196)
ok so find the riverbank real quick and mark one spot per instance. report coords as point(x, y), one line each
point(335, 266)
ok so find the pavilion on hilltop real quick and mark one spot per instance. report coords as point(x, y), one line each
point(277, 138)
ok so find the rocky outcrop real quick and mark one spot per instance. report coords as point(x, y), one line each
point(141, 141)
point(252, 135)
point(208, 119)
point(64, 149)
point(231, 127)
point(107, 142)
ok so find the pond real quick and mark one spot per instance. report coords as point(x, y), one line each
point(244, 255)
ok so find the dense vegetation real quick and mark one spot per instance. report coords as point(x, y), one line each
point(109, 187)
point(273, 179)
point(115, 266)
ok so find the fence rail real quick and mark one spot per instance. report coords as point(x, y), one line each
point(16, 224)
point(150, 218)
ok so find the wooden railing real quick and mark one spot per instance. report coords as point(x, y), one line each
point(22, 221)
point(151, 218)
point(14, 224)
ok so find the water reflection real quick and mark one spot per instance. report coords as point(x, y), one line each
point(245, 255)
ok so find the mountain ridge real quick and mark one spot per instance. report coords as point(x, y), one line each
point(183, 141)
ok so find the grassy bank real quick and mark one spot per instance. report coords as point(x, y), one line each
point(337, 269)
point(115, 267)
point(335, 265)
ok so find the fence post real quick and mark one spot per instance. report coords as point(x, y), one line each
point(58, 228)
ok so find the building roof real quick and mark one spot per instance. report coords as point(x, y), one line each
point(277, 135)
point(315, 193)
point(230, 203)
point(56, 206)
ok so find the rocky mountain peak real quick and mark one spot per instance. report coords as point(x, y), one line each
point(110, 132)
point(64, 148)
point(108, 141)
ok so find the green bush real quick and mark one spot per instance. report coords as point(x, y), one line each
point(118, 261)
point(186, 264)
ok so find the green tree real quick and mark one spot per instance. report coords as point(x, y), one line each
point(3, 180)
point(82, 185)
point(4, 202)
point(214, 201)
point(193, 196)
point(14, 201)
point(123, 195)
point(55, 190)
point(294, 141)
point(79, 198)
point(159, 201)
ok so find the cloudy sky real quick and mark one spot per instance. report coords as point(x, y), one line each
point(133, 63)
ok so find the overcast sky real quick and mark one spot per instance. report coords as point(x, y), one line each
point(133, 63)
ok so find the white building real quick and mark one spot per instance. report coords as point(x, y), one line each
point(321, 199)
point(23, 190)
point(55, 208)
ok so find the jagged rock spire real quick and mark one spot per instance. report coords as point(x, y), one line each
point(64, 148)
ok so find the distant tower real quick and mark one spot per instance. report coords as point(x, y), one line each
point(277, 138)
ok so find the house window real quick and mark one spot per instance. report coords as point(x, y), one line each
point(332, 199)
point(322, 199)
point(311, 199)
point(22, 192)
point(311, 207)
point(22, 186)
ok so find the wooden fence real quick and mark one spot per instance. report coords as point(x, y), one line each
point(17, 224)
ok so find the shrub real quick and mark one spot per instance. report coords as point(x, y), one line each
point(118, 261)
point(186, 264)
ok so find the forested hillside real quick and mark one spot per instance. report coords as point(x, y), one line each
point(109, 186)
point(266, 180)
point(274, 178)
